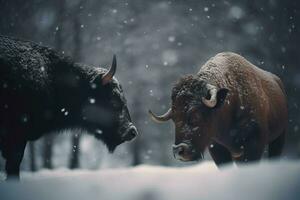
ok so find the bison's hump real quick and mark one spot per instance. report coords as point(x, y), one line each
point(25, 63)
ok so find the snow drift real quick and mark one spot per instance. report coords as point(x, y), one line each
point(266, 180)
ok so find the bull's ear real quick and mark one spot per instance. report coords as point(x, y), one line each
point(108, 76)
point(221, 96)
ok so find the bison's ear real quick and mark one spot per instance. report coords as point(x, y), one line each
point(108, 76)
point(221, 96)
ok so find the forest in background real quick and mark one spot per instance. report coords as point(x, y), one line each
point(156, 42)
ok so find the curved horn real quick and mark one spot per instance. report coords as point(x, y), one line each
point(161, 118)
point(106, 78)
point(212, 102)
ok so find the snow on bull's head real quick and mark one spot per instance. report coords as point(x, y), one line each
point(105, 112)
point(194, 103)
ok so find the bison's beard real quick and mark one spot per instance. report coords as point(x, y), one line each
point(111, 144)
point(199, 156)
point(109, 140)
point(112, 147)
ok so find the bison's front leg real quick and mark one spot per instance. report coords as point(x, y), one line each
point(220, 154)
point(250, 140)
point(13, 153)
point(250, 154)
point(253, 149)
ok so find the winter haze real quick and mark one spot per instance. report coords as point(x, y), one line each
point(156, 42)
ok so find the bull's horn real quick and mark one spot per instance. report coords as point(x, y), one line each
point(107, 77)
point(212, 102)
point(161, 118)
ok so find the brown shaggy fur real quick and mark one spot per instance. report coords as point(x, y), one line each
point(253, 114)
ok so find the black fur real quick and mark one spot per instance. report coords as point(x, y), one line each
point(42, 91)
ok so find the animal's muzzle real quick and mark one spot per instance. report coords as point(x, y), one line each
point(185, 152)
point(130, 133)
point(180, 151)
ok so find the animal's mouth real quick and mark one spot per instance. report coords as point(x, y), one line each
point(190, 158)
point(130, 133)
point(111, 148)
point(185, 152)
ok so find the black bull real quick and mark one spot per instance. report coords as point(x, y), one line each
point(42, 91)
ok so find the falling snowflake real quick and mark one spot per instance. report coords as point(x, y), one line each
point(93, 86)
point(171, 38)
point(151, 92)
point(92, 100)
point(99, 131)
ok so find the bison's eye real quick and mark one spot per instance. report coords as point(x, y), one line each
point(192, 110)
point(194, 116)
point(117, 104)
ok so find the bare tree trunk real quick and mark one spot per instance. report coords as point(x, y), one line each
point(32, 156)
point(47, 151)
point(75, 153)
point(136, 146)
point(136, 152)
point(58, 43)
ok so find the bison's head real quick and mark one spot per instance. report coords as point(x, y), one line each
point(194, 109)
point(105, 112)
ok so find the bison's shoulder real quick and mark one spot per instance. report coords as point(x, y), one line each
point(222, 62)
point(26, 63)
point(235, 65)
point(244, 79)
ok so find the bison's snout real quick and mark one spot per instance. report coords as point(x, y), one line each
point(185, 152)
point(180, 151)
point(130, 133)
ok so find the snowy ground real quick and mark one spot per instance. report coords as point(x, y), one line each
point(267, 181)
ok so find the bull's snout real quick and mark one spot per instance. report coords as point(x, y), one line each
point(180, 151)
point(130, 133)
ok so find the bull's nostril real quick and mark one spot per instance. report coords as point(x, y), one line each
point(180, 151)
point(131, 134)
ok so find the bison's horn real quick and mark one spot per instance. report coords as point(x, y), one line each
point(212, 102)
point(107, 77)
point(161, 118)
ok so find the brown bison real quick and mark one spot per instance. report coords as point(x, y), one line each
point(230, 106)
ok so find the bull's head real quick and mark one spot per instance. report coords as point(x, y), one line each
point(194, 109)
point(106, 112)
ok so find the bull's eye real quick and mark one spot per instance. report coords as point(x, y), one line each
point(194, 118)
point(117, 105)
